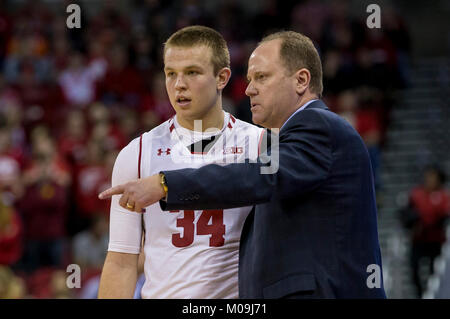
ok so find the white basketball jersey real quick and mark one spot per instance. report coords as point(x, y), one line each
point(194, 254)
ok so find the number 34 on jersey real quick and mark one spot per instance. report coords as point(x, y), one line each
point(210, 223)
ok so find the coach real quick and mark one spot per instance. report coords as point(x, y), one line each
point(313, 230)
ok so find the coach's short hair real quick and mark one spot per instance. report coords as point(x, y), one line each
point(201, 35)
point(296, 52)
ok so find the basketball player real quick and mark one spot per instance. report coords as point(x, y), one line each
point(188, 254)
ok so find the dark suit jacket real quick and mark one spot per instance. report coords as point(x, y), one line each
point(313, 230)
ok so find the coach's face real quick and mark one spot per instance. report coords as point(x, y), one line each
point(271, 89)
point(191, 84)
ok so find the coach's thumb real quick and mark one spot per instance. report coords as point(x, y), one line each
point(111, 191)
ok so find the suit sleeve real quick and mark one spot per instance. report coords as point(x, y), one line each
point(295, 164)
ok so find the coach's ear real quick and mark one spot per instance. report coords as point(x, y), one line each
point(302, 80)
point(222, 78)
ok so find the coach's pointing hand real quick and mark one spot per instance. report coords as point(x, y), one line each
point(137, 194)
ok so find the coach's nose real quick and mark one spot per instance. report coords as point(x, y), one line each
point(251, 90)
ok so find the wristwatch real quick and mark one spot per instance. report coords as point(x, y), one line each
point(163, 183)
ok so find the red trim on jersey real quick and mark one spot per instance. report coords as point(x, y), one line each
point(232, 118)
point(260, 141)
point(230, 126)
point(139, 160)
point(139, 174)
point(171, 127)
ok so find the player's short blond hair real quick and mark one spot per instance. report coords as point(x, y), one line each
point(296, 52)
point(198, 35)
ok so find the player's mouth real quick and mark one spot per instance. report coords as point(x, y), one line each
point(183, 101)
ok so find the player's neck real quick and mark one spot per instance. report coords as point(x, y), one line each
point(212, 120)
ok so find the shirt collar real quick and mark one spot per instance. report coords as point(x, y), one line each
point(188, 137)
point(298, 110)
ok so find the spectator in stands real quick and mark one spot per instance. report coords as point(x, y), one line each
point(122, 81)
point(79, 80)
point(11, 286)
point(58, 286)
point(73, 138)
point(11, 231)
point(127, 121)
point(156, 99)
point(44, 204)
point(103, 129)
point(426, 214)
point(92, 176)
point(13, 112)
point(89, 247)
point(11, 160)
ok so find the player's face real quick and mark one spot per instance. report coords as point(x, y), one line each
point(271, 90)
point(191, 84)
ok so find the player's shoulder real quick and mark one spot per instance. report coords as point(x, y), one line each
point(159, 132)
point(243, 126)
point(162, 129)
point(235, 122)
point(135, 144)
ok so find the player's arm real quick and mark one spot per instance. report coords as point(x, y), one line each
point(120, 270)
point(119, 276)
point(129, 266)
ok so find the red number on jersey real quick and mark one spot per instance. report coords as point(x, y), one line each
point(187, 222)
point(216, 228)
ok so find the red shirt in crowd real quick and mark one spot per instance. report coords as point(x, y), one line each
point(432, 208)
point(92, 180)
point(44, 211)
point(72, 149)
point(11, 241)
point(45, 202)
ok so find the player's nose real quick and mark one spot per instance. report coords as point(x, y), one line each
point(180, 83)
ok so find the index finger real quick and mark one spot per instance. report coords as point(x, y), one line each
point(116, 190)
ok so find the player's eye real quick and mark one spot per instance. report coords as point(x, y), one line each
point(170, 74)
point(191, 72)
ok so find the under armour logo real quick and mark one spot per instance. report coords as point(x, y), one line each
point(160, 151)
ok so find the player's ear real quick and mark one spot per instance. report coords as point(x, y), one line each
point(222, 78)
point(302, 80)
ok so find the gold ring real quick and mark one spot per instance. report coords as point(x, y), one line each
point(130, 206)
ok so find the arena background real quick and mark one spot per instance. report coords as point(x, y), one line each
point(71, 98)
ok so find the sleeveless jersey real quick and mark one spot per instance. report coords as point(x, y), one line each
point(192, 254)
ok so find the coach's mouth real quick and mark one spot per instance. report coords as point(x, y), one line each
point(254, 106)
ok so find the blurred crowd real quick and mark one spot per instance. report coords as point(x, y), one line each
point(70, 99)
point(425, 216)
